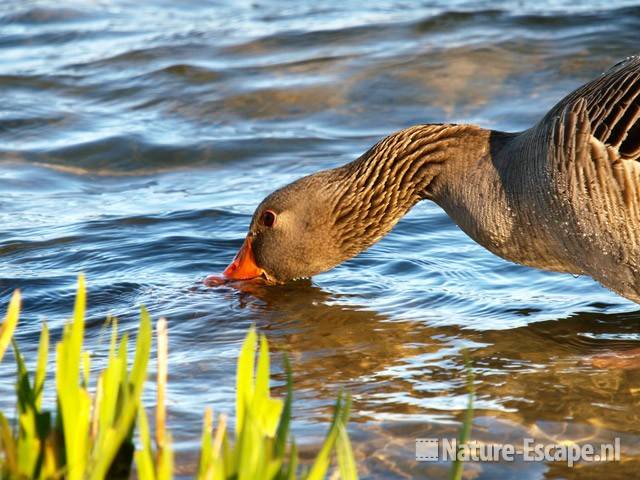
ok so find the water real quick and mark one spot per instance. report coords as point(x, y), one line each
point(136, 140)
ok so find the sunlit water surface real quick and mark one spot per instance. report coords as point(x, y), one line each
point(136, 140)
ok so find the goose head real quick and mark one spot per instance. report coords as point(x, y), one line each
point(292, 234)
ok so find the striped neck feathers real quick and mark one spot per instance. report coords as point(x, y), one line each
point(372, 193)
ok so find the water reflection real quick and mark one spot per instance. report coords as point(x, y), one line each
point(530, 382)
point(334, 343)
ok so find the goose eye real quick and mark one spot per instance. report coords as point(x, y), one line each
point(268, 219)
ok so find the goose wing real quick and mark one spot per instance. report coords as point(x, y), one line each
point(592, 162)
point(594, 142)
point(606, 110)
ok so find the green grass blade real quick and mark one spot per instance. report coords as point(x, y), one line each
point(272, 467)
point(111, 384)
point(143, 349)
point(10, 322)
point(114, 337)
point(245, 378)
point(165, 459)
point(24, 391)
point(144, 456)
point(86, 368)
point(28, 445)
point(123, 391)
point(143, 466)
point(282, 433)
point(163, 438)
point(266, 410)
point(205, 444)
point(250, 449)
point(465, 432)
point(122, 428)
point(323, 460)
point(222, 458)
point(292, 467)
point(8, 447)
point(346, 462)
point(74, 401)
point(262, 373)
point(76, 334)
point(162, 352)
point(41, 365)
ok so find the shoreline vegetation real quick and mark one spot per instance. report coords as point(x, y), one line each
point(104, 432)
point(91, 433)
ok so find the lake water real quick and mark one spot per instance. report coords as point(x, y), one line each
point(136, 140)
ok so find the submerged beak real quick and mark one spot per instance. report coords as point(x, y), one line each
point(244, 266)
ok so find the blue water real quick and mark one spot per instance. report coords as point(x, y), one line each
point(136, 140)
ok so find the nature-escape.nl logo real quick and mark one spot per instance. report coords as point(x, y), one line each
point(444, 449)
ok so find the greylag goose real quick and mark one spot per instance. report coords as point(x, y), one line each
point(563, 195)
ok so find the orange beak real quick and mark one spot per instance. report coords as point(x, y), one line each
point(244, 266)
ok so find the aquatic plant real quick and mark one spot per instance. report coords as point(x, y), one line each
point(91, 434)
point(464, 435)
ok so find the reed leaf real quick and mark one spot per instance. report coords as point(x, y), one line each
point(41, 365)
point(28, 445)
point(144, 456)
point(8, 447)
point(10, 322)
point(244, 378)
point(74, 401)
point(131, 389)
point(322, 462)
point(206, 450)
point(292, 467)
point(346, 462)
point(282, 433)
point(464, 435)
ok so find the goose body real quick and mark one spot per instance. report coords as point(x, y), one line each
point(563, 195)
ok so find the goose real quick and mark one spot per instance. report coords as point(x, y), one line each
point(563, 195)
